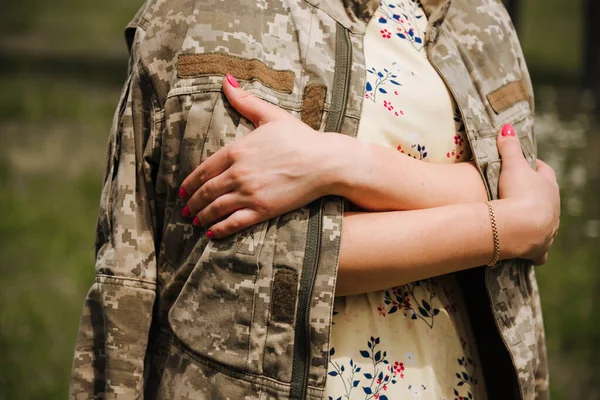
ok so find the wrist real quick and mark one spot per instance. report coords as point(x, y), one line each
point(340, 163)
point(512, 228)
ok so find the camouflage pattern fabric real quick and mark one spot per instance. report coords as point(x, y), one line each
point(477, 51)
point(174, 315)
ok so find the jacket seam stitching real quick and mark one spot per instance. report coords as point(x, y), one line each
point(144, 77)
point(272, 262)
point(120, 278)
point(228, 371)
point(337, 263)
point(248, 341)
point(196, 89)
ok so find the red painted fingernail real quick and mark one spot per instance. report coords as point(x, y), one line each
point(182, 193)
point(210, 235)
point(232, 81)
point(186, 212)
point(196, 221)
point(508, 130)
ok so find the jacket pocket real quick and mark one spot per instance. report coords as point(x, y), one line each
point(239, 307)
point(213, 314)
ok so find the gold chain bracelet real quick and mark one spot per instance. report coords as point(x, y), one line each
point(495, 233)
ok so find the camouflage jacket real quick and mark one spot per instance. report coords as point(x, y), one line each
point(174, 315)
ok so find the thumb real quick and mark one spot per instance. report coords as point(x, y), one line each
point(258, 111)
point(509, 147)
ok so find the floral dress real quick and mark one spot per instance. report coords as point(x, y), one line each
point(415, 340)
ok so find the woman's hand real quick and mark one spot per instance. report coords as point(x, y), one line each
point(531, 200)
point(280, 166)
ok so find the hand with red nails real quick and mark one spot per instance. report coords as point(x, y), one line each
point(275, 169)
point(532, 196)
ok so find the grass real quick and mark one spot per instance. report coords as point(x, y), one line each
point(551, 32)
point(52, 158)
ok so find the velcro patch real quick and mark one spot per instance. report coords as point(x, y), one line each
point(283, 297)
point(507, 95)
point(313, 105)
point(194, 65)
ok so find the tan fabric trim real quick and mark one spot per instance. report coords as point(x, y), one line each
point(507, 95)
point(313, 104)
point(193, 65)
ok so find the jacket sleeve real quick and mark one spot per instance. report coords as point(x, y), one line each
point(113, 333)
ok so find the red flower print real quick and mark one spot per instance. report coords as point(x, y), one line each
point(458, 140)
point(388, 105)
point(398, 369)
point(385, 34)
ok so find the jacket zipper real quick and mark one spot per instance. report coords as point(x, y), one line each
point(341, 80)
point(461, 109)
point(301, 362)
point(335, 117)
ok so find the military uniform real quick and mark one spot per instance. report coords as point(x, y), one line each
point(172, 314)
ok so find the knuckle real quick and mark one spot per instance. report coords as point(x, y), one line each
point(204, 191)
point(234, 152)
point(255, 188)
point(230, 152)
point(235, 224)
point(240, 175)
point(217, 208)
point(246, 96)
point(260, 204)
point(195, 178)
point(200, 179)
point(236, 174)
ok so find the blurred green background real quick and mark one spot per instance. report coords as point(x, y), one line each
point(62, 64)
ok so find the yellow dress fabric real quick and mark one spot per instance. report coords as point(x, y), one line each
point(415, 340)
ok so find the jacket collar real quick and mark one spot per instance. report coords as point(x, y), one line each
point(352, 14)
point(355, 14)
point(436, 11)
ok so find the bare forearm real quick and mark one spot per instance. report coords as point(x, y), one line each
point(388, 180)
point(386, 249)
